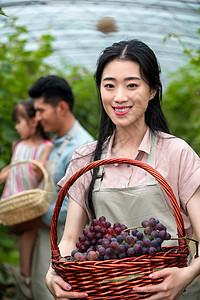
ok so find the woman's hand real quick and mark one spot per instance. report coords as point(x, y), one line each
point(174, 283)
point(59, 288)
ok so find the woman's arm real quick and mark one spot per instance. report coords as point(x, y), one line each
point(75, 223)
point(177, 279)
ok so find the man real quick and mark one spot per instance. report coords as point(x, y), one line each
point(53, 102)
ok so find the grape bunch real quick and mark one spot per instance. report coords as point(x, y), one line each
point(101, 241)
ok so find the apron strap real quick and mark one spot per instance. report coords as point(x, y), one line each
point(69, 136)
point(151, 160)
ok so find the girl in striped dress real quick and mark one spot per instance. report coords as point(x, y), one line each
point(35, 145)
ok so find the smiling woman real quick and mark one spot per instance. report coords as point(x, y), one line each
point(133, 125)
point(125, 94)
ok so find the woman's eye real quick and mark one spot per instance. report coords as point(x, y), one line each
point(132, 85)
point(109, 85)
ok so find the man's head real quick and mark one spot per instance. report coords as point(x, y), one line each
point(53, 102)
point(53, 89)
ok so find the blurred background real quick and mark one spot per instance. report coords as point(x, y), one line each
point(65, 38)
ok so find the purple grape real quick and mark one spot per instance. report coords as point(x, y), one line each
point(145, 223)
point(113, 240)
point(116, 224)
point(118, 230)
point(121, 248)
point(95, 222)
point(109, 252)
point(97, 228)
point(103, 231)
point(148, 230)
point(82, 248)
point(82, 238)
point(154, 234)
point(105, 243)
point(127, 246)
point(104, 224)
point(90, 235)
point(130, 252)
point(134, 232)
point(110, 231)
point(85, 231)
point(92, 255)
point(120, 239)
point(108, 224)
point(124, 234)
point(98, 235)
point(107, 257)
point(140, 243)
point(114, 245)
point(168, 236)
point(144, 250)
point(152, 222)
point(154, 243)
point(162, 234)
point(73, 252)
point(78, 244)
point(159, 240)
point(123, 227)
point(146, 242)
point(152, 251)
point(140, 235)
point(160, 227)
point(129, 239)
point(137, 248)
point(102, 251)
point(102, 219)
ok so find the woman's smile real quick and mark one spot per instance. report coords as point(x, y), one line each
point(121, 110)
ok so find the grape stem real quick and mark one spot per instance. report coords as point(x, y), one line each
point(133, 228)
point(187, 238)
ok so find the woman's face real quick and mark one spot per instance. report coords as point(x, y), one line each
point(125, 95)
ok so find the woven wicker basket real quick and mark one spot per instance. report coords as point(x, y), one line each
point(26, 205)
point(114, 279)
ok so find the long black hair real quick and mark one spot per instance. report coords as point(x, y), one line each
point(26, 110)
point(135, 51)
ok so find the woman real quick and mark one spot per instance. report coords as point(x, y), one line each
point(133, 126)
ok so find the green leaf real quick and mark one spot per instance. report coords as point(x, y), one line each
point(2, 13)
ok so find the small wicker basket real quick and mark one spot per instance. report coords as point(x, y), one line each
point(114, 279)
point(26, 205)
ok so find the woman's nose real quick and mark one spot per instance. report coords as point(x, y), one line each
point(120, 96)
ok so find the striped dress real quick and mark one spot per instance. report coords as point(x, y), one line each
point(21, 177)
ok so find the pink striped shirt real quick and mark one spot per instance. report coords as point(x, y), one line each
point(21, 177)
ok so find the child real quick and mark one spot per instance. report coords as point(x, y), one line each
point(35, 145)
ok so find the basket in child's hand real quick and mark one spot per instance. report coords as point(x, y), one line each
point(26, 205)
point(115, 278)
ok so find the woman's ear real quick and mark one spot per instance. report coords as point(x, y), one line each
point(152, 93)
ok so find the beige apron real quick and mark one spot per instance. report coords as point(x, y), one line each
point(131, 205)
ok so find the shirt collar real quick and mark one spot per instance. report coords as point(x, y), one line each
point(145, 145)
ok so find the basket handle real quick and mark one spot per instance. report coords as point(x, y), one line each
point(34, 162)
point(149, 169)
